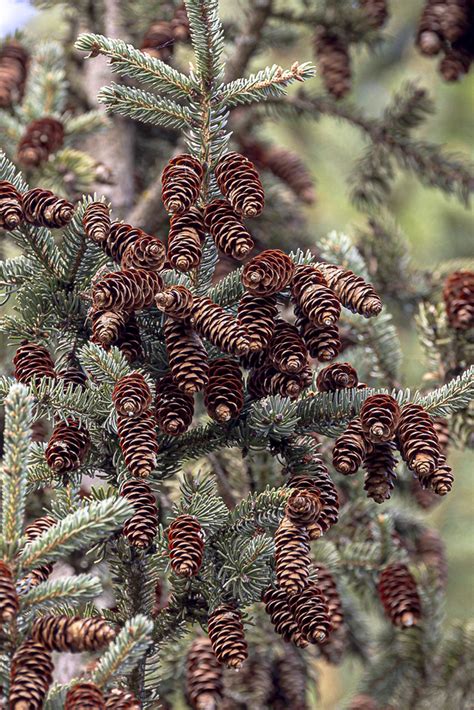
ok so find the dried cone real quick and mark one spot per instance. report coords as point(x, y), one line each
point(11, 206)
point(399, 595)
point(303, 507)
point(323, 342)
point(380, 465)
point(290, 682)
point(226, 633)
point(320, 485)
point(32, 532)
point(67, 447)
point(159, 40)
point(441, 426)
point(350, 449)
point(185, 239)
point(287, 350)
point(41, 138)
point(96, 222)
point(457, 60)
point(376, 12)
point(311, 613)
point(140, 529)
point(224, 392)
point(335, 377)
point(71, 633)
point(334, 61)
point(129, 341)
point(278, 609)
point(131, 395)
point(379, 417)
point(30, 676)
point(13, 69)
point(175, 301)
point(42, 208)
point(219, 327)
point(107, 325)
point(181, 182)
point(32, 362)
point(256, 315)
point(267, 380)
point(187, 357)
point(328, 588)
point(441, 481)
point(418, 442)
point(239, 181)
point(129, 290)
point(225, 227)
point(353, 292)
point(180, 24)
point(292, 558)
point(203, 676)
point(117, 699)
point(186, 545)
point(315, 301)
point(84, 696)
point(73, 376)
point(174, 408)
point(9, 604)
point(138, 442)
point(455, 19)
point(431, 551)
point(268, 272)
point(458, 294)
point(133, 248)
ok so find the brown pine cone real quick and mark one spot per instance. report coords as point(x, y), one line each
point(423, 497)
point(312, 296)
point(456, 61)
point(73, 376)
point(278, 609)
point(129, 341)
point(187, 357)
point(159, 40)
point(328, 588)
point(41, 138)
point(133, 248)
point(431, 551)
point(379, 417)
point(334, 61)
point(181, 183)
point(224, 392)
point(225, 227)
point(380, 465)
point(240, 183)
point(9, 604)
point(321, 486)
point(175, 301)
point(363, 702)
point(131, 395)
point(203, 676)
point(292, 558)
point(186, 545)
point(67, 447)
point(376, 12)
point(290, 682)
point(311, 613)
point(32, 362)
point(30, 676)
point(106, 325)
point(441, 426)
point(353, 292)
point(129, 290)
point(14, 60)
point(141, 528)
point(458, 294)
point(257, 315)
point(350, 449)
point(218, 326)
point(42, 208)
point(11, 206)
point(33, 531)
point(174, 408)
point(96, 222)
point(180, 24)
point(303, 507)
point(430, 36)
point(455, 19)
point(287, 350)
point(418, 442)
point(118, 699)
point(84, 696)
point(71, 633)
point(226, 633)
point(268, 272)
point(441, 480)
point(399, 595)
point(335, 377)
point(185, 239)
point(323, 342)
point(138, 442)
point(267, 380)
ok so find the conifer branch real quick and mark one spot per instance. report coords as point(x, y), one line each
point(67, 590)
point(144, 106)
point(207, 36)
point(125, 651)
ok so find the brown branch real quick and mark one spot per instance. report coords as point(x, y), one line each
point(247, 42)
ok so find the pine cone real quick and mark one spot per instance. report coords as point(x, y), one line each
point(67, 447)
point(32, 362)
point(363, 702)
point(185, 239)
point(187, 357)
point(311, 613)
point(458, 294)
point(14, 60)
point(181, 182)
point(379, 417)
point(226, 633)
point(256, 315)
point(399, 595)
point(11, 205)
point(131, 395)
point(278, 609)
point(174, 408)
point(430, 36)
point(129, 341)
point(239, 181)
point(218, 326)
point(287, 351)
point(175, 301)
point(203, 676)
point(334, 62)
point(107, 325)
point(33, 531)
point(268, 272)
point(42, 208)
point(431, 551)
point(350, 449)
point(335, 377)
point(353, 292)
point(303, 507)
point(117, 699)
point(186, 545)
point(225, 227)
point(328, 589)
point(456, 61)
point(96, 222)
point(323, 342)
point(180, 24)
point(290, 682)
point(312, 296)
point(31, 676)
point(380, 465)
point(267, 380)
point(455, 19)
point(376, 12)
point(73, 376)
point(141, 528)
point(84, 696)
point(423, 497)
point(441, 426)
point(71, 633)
point(224, 392)
point(320, 485)
point(41, 138)
point(133, 248)
point(292, 559)
point(129, 290)
point(159, 40)
point(441, 480)
point(138, 442)
point(9, 604)
point(418, 443)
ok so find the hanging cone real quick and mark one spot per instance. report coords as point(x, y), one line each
point(287, 350)
point(458, 294)
point(9, 604)
point(226, 633)
point(186, 545)
point(257, 315)
point(278, 609)
point(239, 181)
point(140, 529)
point(335, 377)
point(185, 239)
point(224, 392)
point(350, 449)
point(323, 343)
point(379, 417)
point(84, 696)
point(290, 682)
point(311, 613)
point(441, 426)
point(322, 487)
point(118, 699)
point(334, 62)
point(138, 442)
point(30, 676)
point(328, 588)
point(32, 362)
point(441, 480)
point(14, 60)
point(96, 222)
point(159, 40)
point(203, 676)
point(42, 208)
point(174, 408)
point(267, 380)
point(181, 182)
point(73, 376)
point(175, 301)
point(268, 272)
point(71, 633)
point(225, 227)
point(380, 465)
point(131, 395)
point(187, 357)
point(376, 12)
point(303, 507)
point(67, 447)
point(292, 559)
point(431, 551)
point(218, 327)
point(107, 325)
point(41, 138)
point(418, 443)
point(129, 290)
point(129, 341)
point(457, 61)
point(353, 292)
point(133, 248)
point(313, 298)
point(11, 206)
point(33, 531)
point(399, 595)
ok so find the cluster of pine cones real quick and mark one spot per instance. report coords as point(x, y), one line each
point(447, 27)
point(39, 207)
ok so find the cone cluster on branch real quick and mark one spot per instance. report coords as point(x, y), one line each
point(458, 294)
point(136, 424)
point(160, 38)
point(226, 633)
point(72, 634)
point(447, 27)
point(141, 528)
point(186, 545)
point(399, 595)
point(42, 208)
point(11, 206)
point(30, 677)
point(204, 676)
point(133, 248)
point(41, 138)
point(14, 60)
point(67, 447)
